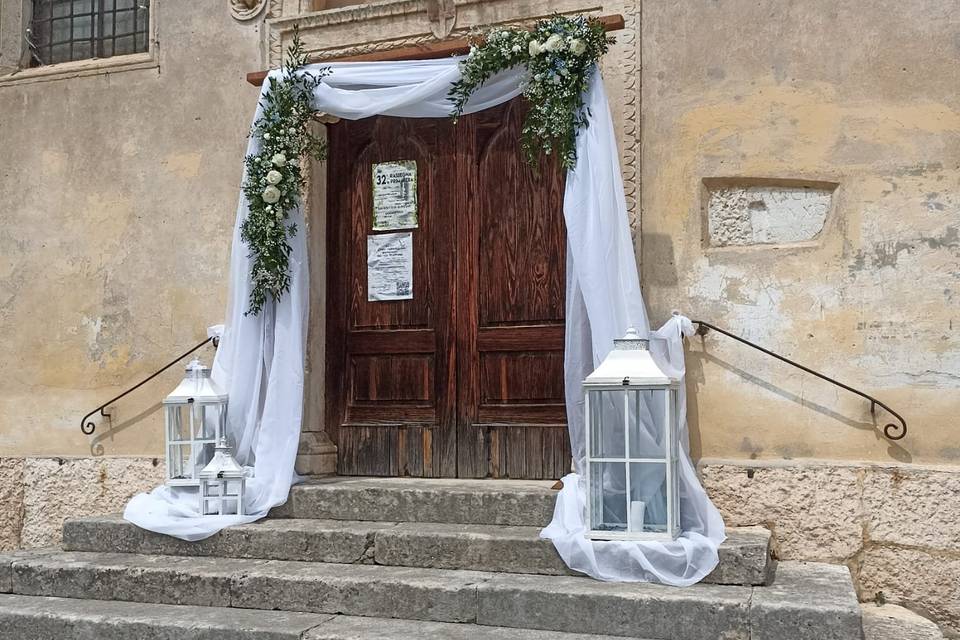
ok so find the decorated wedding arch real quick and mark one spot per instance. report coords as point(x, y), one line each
point(260, 361)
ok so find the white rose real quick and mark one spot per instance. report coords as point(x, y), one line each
point(535, 48)
point(271, 194)
point(554, 43)
point(516, 48)
point(274, 176)
point(577, 47)
point(279, 159)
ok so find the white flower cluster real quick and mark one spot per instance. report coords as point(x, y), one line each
point(559, 54)
point(271, 194)
point(556, 42)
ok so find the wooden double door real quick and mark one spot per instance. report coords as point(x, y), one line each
point(465, 379)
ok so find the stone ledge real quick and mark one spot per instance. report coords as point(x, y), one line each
point(81, 68)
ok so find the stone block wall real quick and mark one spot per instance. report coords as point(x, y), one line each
point(893, 525)
point(38, 494)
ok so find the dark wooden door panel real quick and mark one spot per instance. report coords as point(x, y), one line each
point(391, 378)
point(467, 377)
point(511, 260)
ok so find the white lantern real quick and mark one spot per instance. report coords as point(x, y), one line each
point(195, 416)
point(632, 426)
point(222, 484)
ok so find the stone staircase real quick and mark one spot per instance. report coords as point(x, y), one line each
point(387, 559)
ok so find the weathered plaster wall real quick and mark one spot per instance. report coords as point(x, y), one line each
point(863, 95)
point(119, 194)
point(893, 524)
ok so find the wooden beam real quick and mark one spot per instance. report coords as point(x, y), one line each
point(427, 51)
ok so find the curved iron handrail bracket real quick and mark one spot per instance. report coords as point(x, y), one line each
point(890, 430)
point(89, 427)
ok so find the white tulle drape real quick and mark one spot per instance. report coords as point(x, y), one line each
point(260, 359)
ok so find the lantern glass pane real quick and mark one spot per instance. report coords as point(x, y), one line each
point(648, 432)
point(233, 487)
point(608, 497)
point(210, 417)
point(607, 420)
point(179, 457)
point(203, 454)
point(648, 496)
point(177, 431)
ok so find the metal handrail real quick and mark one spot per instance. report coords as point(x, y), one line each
point(89, 427)
point(890, 430)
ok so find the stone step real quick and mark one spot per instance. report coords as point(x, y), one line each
point(890, 622)
point(504, 502)
point(806, 602)
point(744, 557)
point(43, 618)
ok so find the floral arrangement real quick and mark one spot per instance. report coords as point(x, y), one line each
point(274, 178)
point(559, 54)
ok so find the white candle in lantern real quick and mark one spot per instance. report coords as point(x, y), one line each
point(636, 514)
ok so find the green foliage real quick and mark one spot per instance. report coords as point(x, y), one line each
point(559, 54)
point(274, 180)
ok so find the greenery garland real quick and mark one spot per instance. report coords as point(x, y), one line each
point(274, 178)
point(559, 54)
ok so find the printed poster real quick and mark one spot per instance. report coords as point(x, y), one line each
point(395, 195)
point(390, 266)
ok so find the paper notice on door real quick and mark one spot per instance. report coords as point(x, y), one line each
point(395, 195)
point(390, 266)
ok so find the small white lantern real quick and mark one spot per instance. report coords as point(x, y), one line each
point(195, 416)
point(222, 483)
point(632, 425)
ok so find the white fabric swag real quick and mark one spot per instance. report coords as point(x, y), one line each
point(261, 358)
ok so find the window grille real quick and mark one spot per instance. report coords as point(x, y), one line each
point(66, 30)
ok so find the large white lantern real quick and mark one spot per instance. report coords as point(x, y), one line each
point(195, 416)
point(222, 484)
point(632, 475)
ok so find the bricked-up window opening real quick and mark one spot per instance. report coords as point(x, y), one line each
point(67, 30)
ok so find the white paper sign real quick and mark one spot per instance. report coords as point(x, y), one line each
point(390, 266)
point(395, 195)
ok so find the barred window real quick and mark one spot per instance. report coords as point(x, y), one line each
point(66, 30)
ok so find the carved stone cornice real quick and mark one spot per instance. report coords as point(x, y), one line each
point(280, 27)
point(356, 13)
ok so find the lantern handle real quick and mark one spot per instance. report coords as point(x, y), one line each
point(891, 430)
point(87, 426)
